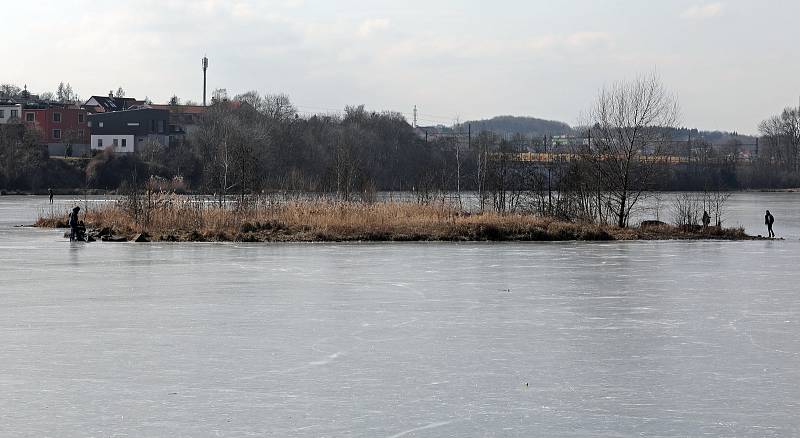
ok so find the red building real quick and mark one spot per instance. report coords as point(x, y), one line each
point(58, 125)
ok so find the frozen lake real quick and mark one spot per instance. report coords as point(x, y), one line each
point(401, 340)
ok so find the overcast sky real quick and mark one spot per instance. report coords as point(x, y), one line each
point(731, 63)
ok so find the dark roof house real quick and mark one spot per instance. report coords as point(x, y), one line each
point(128, 130)
point(108, 104)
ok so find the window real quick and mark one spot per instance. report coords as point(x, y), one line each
point(30, 117)
point(161, 126)
point(57, 134)
point(80, 133)
point(14, 113)
point(133, 123)
point(100, 142)
point(100, 124)
point(89, 123)
point(152, 126)
point(115, 143)
point(81, 117)
point(124, 142)
point(2, 114)
point(57, 117)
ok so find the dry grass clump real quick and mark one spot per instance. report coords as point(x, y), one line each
point(180, 219)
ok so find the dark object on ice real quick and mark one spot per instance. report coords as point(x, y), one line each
point(74, 224)
point(141, 238)
point(114, 239)
point(706, 219)
point(768, 221)
point(79, 234)
point(50, 192)
point(99, 234)
point(649, 224)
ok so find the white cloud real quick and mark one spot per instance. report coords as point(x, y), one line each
point(368, 27)
point(583, 39)
point(702, 12)
point(542, 42)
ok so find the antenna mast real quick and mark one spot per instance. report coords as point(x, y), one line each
point(415, 116)
point(205, 67)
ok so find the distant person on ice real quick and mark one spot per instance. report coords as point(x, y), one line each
point(706, 220)
point(768, 221)
point(50, 192)
point(73, 223)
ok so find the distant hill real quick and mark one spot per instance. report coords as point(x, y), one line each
point(533, 127)
point(712, 137)
point(528, 126)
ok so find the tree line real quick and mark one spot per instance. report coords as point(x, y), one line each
point(254, 143)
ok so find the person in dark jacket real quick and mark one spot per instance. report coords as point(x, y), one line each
point(706, 220)
point(74, 223)
point(768, 221)
point(50, 192)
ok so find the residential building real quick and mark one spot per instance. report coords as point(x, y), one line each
point(107, 104)
point(126, 131)
point(183, 119)
point(10, 112)
point(63, 128)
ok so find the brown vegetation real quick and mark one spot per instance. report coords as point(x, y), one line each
point(172, 219)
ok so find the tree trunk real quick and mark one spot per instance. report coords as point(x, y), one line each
point(622, 206)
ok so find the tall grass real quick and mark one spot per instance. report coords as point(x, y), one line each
point(185, 218)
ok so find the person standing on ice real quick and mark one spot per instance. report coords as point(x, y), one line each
point(768, 221)
point(50, 192)
point(73, 223)
point(706, 220)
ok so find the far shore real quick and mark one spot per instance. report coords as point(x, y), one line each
point(111, 192)
point(329, 221)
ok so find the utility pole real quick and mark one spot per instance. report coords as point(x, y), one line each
point(205, 67)
point(415, 116)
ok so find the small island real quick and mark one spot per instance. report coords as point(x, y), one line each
point(174, 220)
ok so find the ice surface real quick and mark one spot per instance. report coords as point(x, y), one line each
point(396, 340)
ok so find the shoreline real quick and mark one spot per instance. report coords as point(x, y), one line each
point(115, 192)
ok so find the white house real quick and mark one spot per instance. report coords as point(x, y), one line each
point(10, 113)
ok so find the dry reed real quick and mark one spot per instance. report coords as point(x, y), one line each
point(180, 219)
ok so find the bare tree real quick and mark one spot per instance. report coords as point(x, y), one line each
point(278, 107)
point(251, 98)
point(686, 208)
point(9, 90)
point(782, 135)
point(483, 144)
point(215, 141)
point(347, 162)
point(628, 121)
point(716, 201)
point(150, 150)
